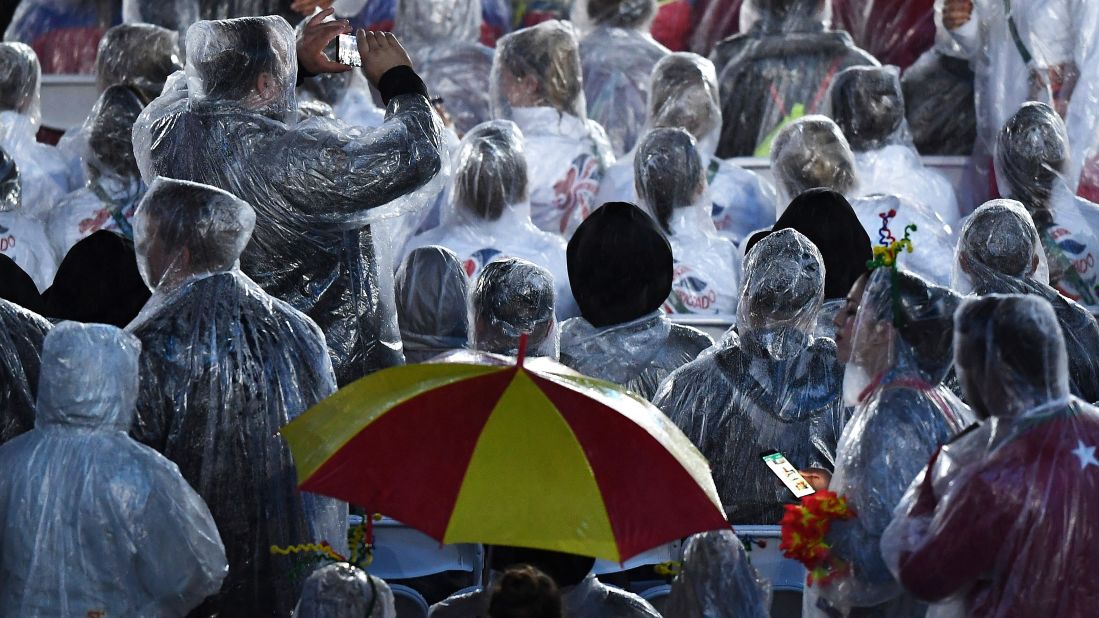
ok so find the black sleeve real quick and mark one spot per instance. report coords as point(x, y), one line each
point(400, 80)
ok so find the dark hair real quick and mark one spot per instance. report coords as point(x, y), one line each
point(492, 169)
point(868, 105)
point(621, 13)
point(19, 75)
point(1031, 152)
point(110, 138)
point(798, 161)
point(245, 53)
point(998, 238)
point(668, 172)
point(923, 314)
point(565, 569)
point(525, 592)
point(138, 55)
point(512, 297)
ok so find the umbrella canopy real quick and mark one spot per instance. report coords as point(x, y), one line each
point(531, 455)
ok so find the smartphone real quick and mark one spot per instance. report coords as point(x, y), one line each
point(349, 51)
point(787, 473)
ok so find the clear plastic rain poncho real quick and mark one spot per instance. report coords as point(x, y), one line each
point(869, 107)
point(1002, 521)
point(316, 186)
point(23, 237)
point(114, 183)
point(901, 352)
point(177, 15)
point(537, 82)
point(432, 289)
point(1032, 155)
point(45, 174)
point(772, 386)
point(1000, 252)
point(344, 591)
point(443, 39)
point(91, 522)
point(617, 56)
point(672, 186)
point(510, 298)
point(223, 367)
point(718, 581)
point(684, 94)
point(21, 335)
point(623, 337)
point(777, 71)
point(488, 216)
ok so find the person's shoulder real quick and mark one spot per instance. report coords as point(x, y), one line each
point(688, 337)
point(618, 603)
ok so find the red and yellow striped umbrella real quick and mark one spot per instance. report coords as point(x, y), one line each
point(508, 455)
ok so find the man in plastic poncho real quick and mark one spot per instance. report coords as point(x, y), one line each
point(224, 366)
point(91, 522)
point(510, 298)
point(344, 591)
point(21, 335)
point(315, 186)
point(432, 288)
point(718, 581)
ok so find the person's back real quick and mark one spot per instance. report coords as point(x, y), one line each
point(224, 366)
point(21, 335)
point(939, 97)
point(773, 386)
point(432, 287)
point(777, 71)
point(343, 591)
point(717, 580)
point(22, 236)
point(141, 543)
point(313, 187)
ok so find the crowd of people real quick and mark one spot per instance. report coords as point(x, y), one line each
point(248, 221)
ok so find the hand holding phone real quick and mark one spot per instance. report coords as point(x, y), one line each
point(787, 473)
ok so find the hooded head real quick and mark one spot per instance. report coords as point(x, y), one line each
point(828, 221)
point(812, 152)
point(538, 67)
point(683, 94)
point(512, 297)
point(1031, 153)
point(342, 591)
point(182, 229)
point(630, 14)
point(11, 190)
point(138, 55)
point(998, 244)
point(431, 302)
point(491, 174)
point(110, 145)
point(248, 62)
point(89, 378)
point(868, 105)
point(620, 265)
point(783, 292)
point(717, 581)
point(668, 173)
point(1010, 354)
point(780, 16)
point(438, 22)
point(20, 81)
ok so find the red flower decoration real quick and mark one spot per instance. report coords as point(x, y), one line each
point(804, 527)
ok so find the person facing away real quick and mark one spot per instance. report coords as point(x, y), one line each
point(91, 522)
point(224, 366)
point(717, 581)
point(21, 335)
point(537, 83)
point(227, 122)
point(622, 335)
point(973, 531)
point(868, 105)
point(488, 216)
point(684, 94)
point(511, 298)
point(1000, 252)
point(778, 70)
point(22, 235)
point(768, 385)
point(525, 592)
point(672, 185)
point(617, 56)
point(432, 288)
point(341, 590)
point(1032, 153)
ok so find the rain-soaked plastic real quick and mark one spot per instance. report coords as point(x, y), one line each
point(94, 523)
point(443, 39)
point(537, 82)
point(590, 598)
point(1032, 155)
point(717, 581)
point(223, 367)
point(1002, 520)
point(777, 71)
point(432, 288)
point(812, 153)
point(684, 94)
point(114, 186)
point(176, 16)
point(617, 56)
point(488, 216)
point(21, 335)
point(901, 350)
point(317, 185)
point(510, 298)
point(344, 591)
point(771, 385)
point(23, 237)
point(869, 107)
point(1000, 252)
point(672, 186)
point(45, 174)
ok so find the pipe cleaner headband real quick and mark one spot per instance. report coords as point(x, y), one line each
point(886, 254)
